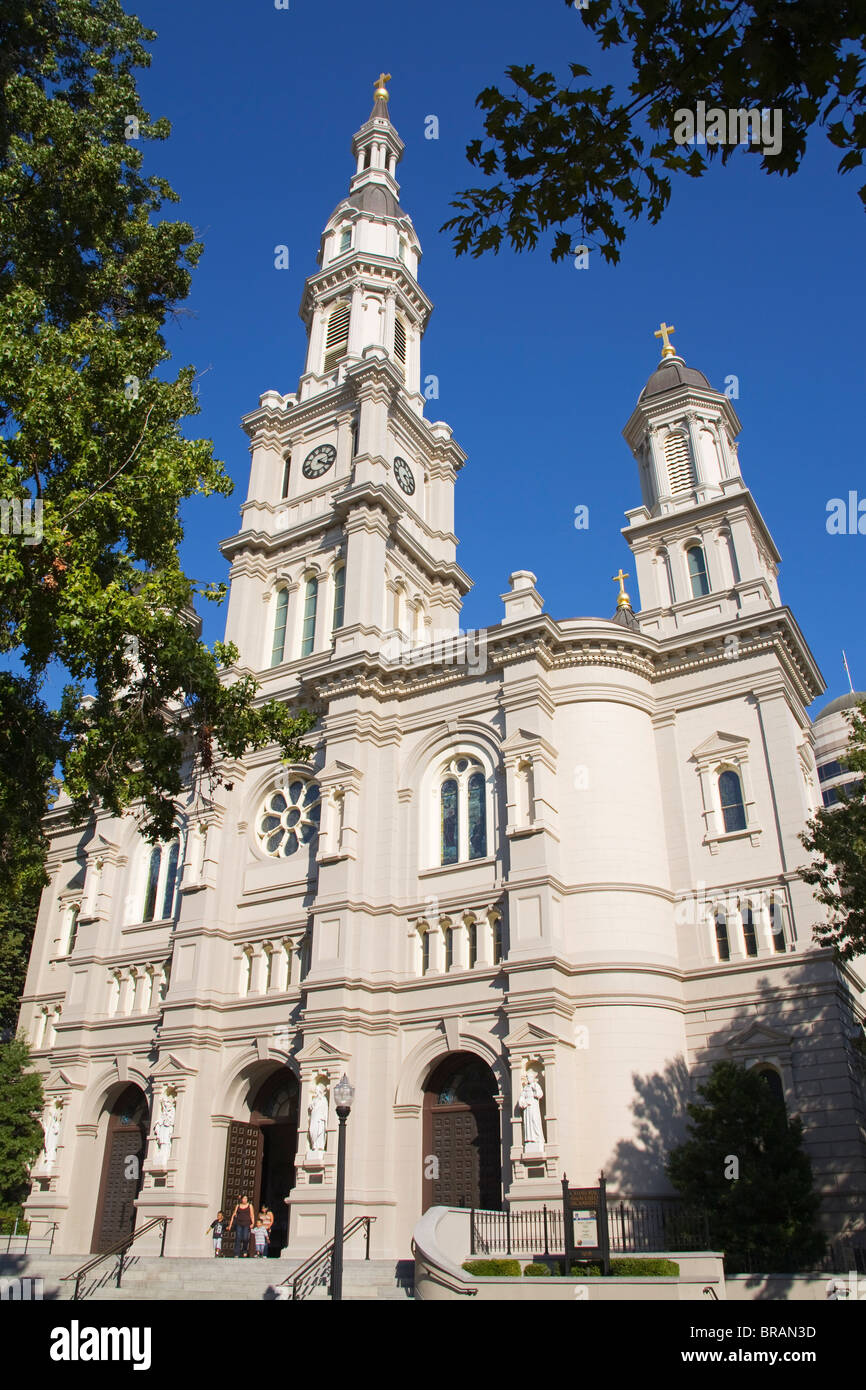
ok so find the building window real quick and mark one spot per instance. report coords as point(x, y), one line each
point(345, 240)
point(773, 1082)
point(731, 798)
point(678, 458)
point(289, 818)
point(777, 926)
point(448, 933)
point(463, 811)
point(163, 875)
point(497, 940)
point(287, 468)
point(339, 595)
point(308, 629)
point(401, 250)
point(697, 571)
point(425, 952)
point(723, 946)
point(337, 339)
point(356, 434)
point(400, 340)
point(72, 930)
point(750, 936)
point(279, 648)
point(473, 944)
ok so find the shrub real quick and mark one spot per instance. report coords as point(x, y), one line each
point(648, 1268)
point(539, 1271)
point(493, 1268)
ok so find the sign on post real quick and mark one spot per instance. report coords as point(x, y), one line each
point(584, 1212)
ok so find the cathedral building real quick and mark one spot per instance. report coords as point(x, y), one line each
point(533, 880)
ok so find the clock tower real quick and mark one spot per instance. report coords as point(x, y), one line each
point(347, 534)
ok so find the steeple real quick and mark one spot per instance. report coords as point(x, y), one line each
point(702, 550)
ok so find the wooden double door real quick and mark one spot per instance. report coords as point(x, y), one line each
point(122, 1169)
point(260, 1157)
point(462, 1136)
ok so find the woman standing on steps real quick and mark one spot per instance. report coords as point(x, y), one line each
point(243, 1219)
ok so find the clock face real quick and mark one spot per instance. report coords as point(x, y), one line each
point(403, 474)
point(318, 461)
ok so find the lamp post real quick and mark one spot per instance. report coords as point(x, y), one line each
point(344, 1094)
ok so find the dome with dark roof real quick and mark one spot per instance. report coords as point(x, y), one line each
point(670, 373)
point(374, 199)
point(842, 702)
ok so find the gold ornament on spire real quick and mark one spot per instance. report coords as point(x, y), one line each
point(664, 333)
point(623, 600)
point(380, 92)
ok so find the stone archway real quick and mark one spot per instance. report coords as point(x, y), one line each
point(260, 1152)
point(462, 1135)
point(122, 1167)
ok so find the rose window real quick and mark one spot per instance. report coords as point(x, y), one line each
point(290, 817)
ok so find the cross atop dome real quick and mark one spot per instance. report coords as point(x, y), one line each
point(664, 331)
point(380, 97)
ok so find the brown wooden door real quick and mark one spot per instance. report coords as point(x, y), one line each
point(462, 1142)
point(243, 1172)
point(122, 1170)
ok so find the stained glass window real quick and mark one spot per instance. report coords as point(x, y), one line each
point(152, 884)
point(290, 818)
point(170, 880)
point(731, 796)
point(279, 646)
point(449, 821)
point(308, 632)
point(477, 817)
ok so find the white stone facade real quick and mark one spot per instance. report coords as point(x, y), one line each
point(623, 920)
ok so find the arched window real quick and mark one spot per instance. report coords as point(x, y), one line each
point(697, 571)
point(337, 339)
point(473, 944)
point(731, 798)
point(777, 926)
point(287, 468)
point(163, 877)
point(678, 457)
point(425, 952)
point(339, 596)
point(750, 935)
point(723, 946)
point(463, 811)
point(279, 648)
point(345, 240)
point(72, 929)
point(308, 628)
point(773, 1082)
point(150, 891)
point(448, 933)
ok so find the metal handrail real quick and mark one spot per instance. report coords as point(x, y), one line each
point(25, 1236)
point(316, 1268)
point(119, 1248)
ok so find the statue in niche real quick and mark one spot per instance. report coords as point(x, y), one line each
point(530, 1104)
point(164, 1129)
point(51, 1131)
point(318, 1113)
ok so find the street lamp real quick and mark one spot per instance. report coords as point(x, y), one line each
point(344, 1094)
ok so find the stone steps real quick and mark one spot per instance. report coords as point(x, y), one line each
point(148, 1279)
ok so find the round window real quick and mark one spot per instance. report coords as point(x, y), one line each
point(289, 818)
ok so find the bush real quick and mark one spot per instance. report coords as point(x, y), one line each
point(648, 1268)
point(492, 1269)
point(539, 1271)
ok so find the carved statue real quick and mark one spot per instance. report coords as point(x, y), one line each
point(51, 1130)
point(164, 1128)
point(318, 1113)
point(529, 1102)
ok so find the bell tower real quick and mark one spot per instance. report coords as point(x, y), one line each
point(347, 534)
point(703, 553)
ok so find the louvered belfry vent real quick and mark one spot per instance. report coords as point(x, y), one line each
point(400, 341)
point(338, 334)
point(681, 476)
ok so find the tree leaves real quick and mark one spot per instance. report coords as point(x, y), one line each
point(573, 156)
point(836, 835)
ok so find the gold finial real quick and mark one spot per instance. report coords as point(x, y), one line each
point(381, 91)
point(664, 332)
point(623, 600)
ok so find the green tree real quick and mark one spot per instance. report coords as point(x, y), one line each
point(91, 424)
point(584, 158)
point(836, 835)
point(20, 1130)
point(763, 1212)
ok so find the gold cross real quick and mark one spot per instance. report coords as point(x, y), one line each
point(668, 350)
point(620, 579)
point(381, 90)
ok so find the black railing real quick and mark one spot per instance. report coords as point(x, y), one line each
point(635, 1225)
point(37, 1242)
point(119, 1248)
point(318, 1267)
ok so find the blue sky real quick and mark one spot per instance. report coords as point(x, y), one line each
point(539, 365)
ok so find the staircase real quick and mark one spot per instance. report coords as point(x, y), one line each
point(148, 1278)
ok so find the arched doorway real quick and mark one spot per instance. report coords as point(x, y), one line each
point(462, 1135)
point(260, 1156)
point(122, 1168)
